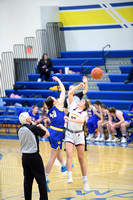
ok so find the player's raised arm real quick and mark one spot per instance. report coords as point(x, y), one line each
point(62, 94)
point(72, 92)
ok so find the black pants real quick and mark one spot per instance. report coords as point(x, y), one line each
point(43, 72)
point(130, 75)
point(33, 168)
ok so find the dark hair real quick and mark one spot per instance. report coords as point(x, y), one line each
point(103, 106)
point(97, 103)
point(34, 106)
point(112, 110)
point(44, 55)
point(49, 102)
point(86, 105)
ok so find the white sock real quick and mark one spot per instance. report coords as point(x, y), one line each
point(102, 135)
point(63, 164)
point(84, 178)
point(69, 173)
point(110, 136)
point(99, 134)
point(46, 175)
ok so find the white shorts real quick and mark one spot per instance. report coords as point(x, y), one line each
point(75, 138)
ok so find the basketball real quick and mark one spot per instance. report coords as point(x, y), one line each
point(97, 73)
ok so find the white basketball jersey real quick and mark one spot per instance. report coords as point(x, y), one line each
point(75, 114)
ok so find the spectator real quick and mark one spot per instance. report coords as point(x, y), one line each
point(92, 122)
point(35, 115)
point(44, 67)
point(90, 112)
point(130, 76)
point(118, 119)
point(31, 160)
point(102, 124)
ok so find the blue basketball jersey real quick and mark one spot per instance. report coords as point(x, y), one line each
point(56, 117)
point(105, 116)
point(90, 113)
point(125, 116)
point(34, 117)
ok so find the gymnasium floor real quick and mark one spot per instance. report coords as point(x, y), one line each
point(110, 173)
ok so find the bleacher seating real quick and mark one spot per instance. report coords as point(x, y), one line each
point(96, 54)
point(33, 92)
point(115, 86)
point(125, 69)
point(80, 69)
point(8, 118)
point(116, 95)
point(117, 77)
point(41, 85)
point(30, 101)
point(77, 61)
point(62, 77)
point(113, 94)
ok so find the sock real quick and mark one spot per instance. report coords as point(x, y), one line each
point(46, 175)
point(102, 135)
point(84, 178)
point(110, 136)
point(63, 164)
point(124, 135)
point(69, 173)
point(115, 134)
point(98, 135)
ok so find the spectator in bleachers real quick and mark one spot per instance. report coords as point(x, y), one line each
point(102, 124)
point(92, 121)
point(90, 112)
point(77, 97)
point(35, 115)
point(130, 76)
point(118, 120)
point(44, 67)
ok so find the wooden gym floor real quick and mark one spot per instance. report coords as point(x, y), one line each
point(110, 173)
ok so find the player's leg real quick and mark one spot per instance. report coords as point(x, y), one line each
point(69, 153)
point(80, 152)
point(124, 127)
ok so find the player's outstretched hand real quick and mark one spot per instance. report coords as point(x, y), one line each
point(55, 78)
point(66, 119)
point(82, 85)
point(84, 79)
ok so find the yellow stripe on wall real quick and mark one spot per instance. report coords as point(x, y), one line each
point(126, 13)
point(114, 15)
point(85, 17)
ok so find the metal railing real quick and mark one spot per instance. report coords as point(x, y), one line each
point(104, 55)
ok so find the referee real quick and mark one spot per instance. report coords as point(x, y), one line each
point(31, 160)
